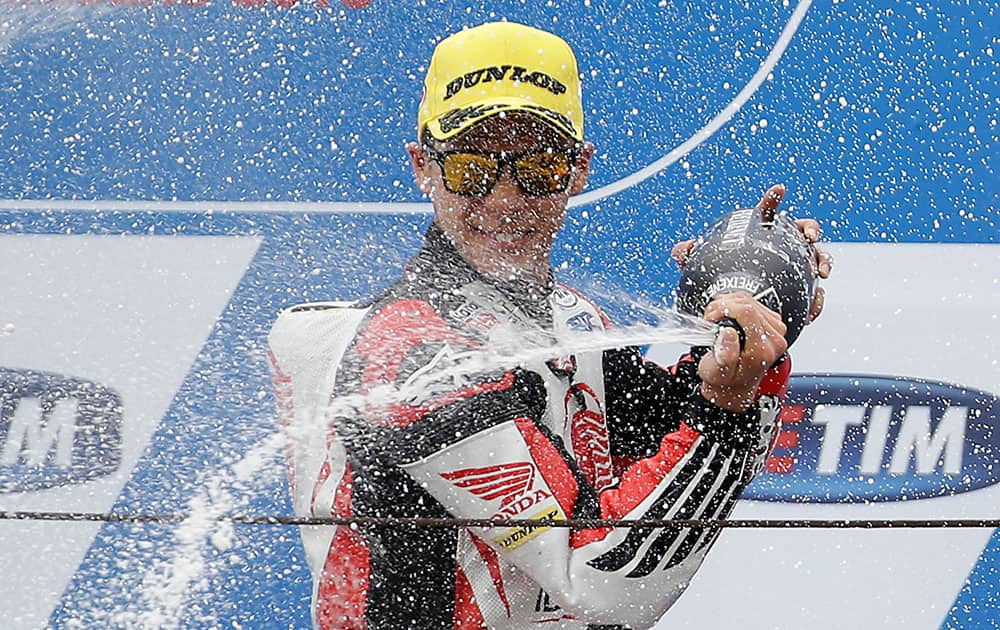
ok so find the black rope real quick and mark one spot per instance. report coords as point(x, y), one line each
point(574, 523)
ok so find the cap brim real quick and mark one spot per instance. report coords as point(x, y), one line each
point(456, 121)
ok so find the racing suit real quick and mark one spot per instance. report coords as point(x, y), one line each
point(593, 434)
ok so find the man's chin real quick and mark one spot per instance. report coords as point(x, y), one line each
point(514, 245)
point(521, 268)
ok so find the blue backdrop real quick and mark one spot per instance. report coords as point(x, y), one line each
point(880, 118)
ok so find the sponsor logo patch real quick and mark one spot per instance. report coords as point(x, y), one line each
point(589, 435)
point(855, 439)
point(456, 117)
point(474, 316)
point(56, 430)
point(442, 375)
point(730, 283)
point(506, 72)
point(736, 228)
point(564, 297)
point(513, 486)
point(517, 536)
point(581, 321)
point(506, 482)
point(769, 298)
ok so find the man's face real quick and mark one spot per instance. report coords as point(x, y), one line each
point(506, 233)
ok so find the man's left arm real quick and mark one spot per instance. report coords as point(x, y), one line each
point(643, 399)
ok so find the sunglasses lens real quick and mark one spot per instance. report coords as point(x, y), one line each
point(469, 173)
point(474, 174)
point(544, 173)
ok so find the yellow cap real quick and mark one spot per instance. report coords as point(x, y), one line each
point(498, 67)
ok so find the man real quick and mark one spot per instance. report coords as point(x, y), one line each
point(409, 430)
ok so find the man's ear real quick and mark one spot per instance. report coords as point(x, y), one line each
point(421, 167)
point(581, 171)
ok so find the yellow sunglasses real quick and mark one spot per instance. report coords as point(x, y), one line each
point(475, 173)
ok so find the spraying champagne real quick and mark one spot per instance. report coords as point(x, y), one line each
point(756, 250)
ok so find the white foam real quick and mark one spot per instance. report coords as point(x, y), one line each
point(35, 19)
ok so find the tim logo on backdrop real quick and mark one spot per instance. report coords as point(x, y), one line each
point(56, 430)
point(853, 438)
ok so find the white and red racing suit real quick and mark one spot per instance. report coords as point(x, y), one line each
point(596, 434)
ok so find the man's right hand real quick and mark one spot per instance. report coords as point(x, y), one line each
point(730, 377)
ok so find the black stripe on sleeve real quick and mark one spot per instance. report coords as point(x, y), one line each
point(625, 552)
point(693, 508)
point(720, 506)
point(697, 539)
